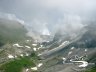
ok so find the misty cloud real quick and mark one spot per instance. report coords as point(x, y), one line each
point(69, 24)
point(48, 16)
point(70, 6)
point(40, 26)
point(10, 17)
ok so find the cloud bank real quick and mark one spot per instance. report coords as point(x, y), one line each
point(73, 12)
point(48, 16)
point(11, 17)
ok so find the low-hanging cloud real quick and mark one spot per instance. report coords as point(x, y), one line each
point(40, 27)
point(49, 16)
point(74, 13)
point(11, 17)
point(69, 24)
point(70, 6)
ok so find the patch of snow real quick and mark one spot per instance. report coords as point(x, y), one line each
point(27, 70)
point(86, 50)
point(34, 68)
point(27, 40)
point(28, 47)
point(70, 53)
point(17, 45)
point(40, 64)
point(34, 44)
point(64, 43)
point(10, 56)
point(64, 59)
point(21, 55)
point(72, 48)
point(34, 49)
point(39, 48)
point(41, 45)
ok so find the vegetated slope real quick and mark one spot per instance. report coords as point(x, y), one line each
point(92, 69)
point(11, 31)
point(92, 59)
point(18, 64)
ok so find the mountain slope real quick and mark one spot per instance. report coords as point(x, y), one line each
point(82, 47)
point(11, 31)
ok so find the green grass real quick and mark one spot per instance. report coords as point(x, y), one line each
point(92, 70)
point(92, 59)
point(17, 65)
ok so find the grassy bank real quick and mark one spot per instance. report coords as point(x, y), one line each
point(17, 65)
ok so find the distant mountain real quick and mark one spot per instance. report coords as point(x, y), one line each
point(11, 31)
point(88, 39)
point(83, 45)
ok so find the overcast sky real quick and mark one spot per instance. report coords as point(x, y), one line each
point(40, 14)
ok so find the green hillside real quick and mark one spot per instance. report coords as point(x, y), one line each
point(11, 31)
point(17, 65)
